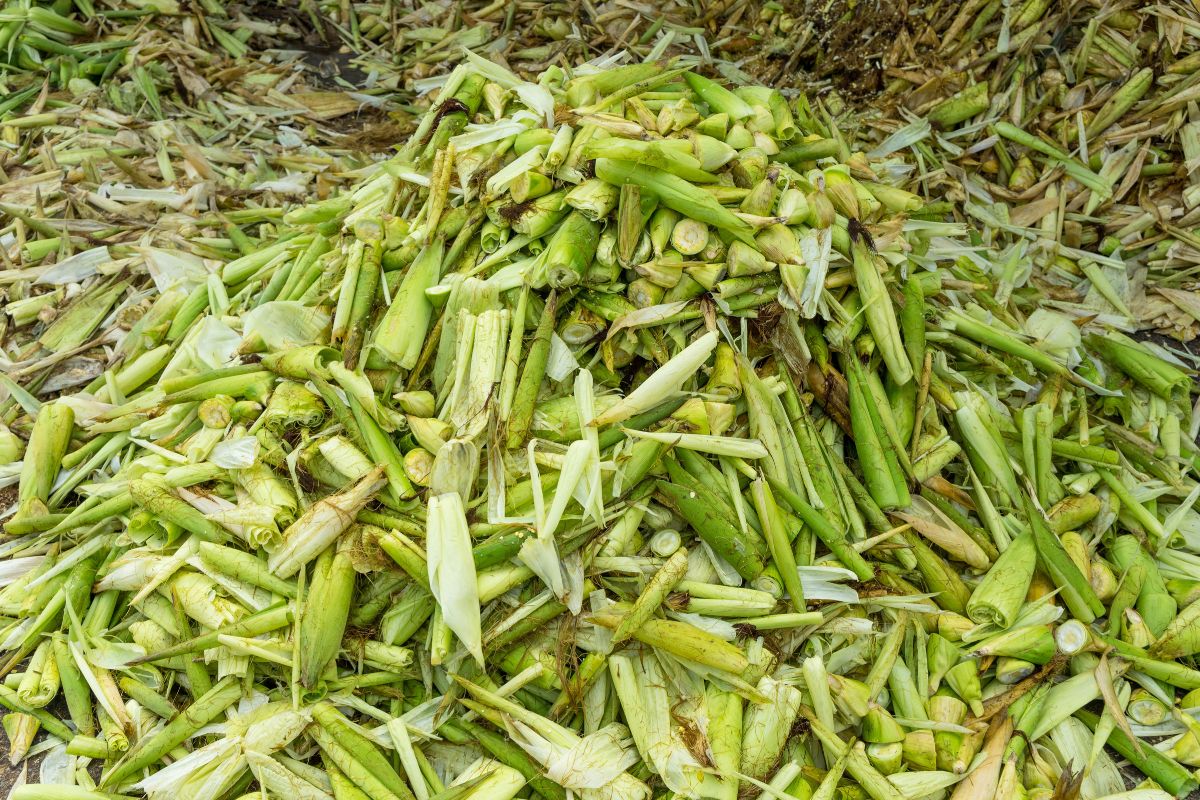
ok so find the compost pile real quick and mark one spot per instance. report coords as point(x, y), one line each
point(627, 433)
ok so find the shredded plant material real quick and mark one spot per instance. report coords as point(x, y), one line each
point(627, 430)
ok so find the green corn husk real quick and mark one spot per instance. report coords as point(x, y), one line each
point(157, 497)
point(322, 524)
point(941, 655)
point(1077, 592)
point(685, 641)
point(48, 442)
point(877, 458)
point(338, 733)
point(725, 741)
point(292, 406)
point(877, 306)
point(570, 251)
point(652, 596)
point(719, 99)
point(951, 593)
point(1143, 367)
point(674, 193)
point(1033, 643)
point(765, 727)
point(875, 784)
point(782, 557)
point(1155, 604)
point(401, 331)
point(962, 106)
point(999, 596)
point(963, 678)
point(1181, 637)
point(327, 601)
point(746, 553)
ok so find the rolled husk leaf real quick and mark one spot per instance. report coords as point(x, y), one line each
point(999, 596)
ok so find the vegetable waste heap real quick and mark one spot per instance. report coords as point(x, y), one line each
point(624, 436)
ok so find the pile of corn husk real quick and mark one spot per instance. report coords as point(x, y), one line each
point(1047, 68)
point(621, 434)
point(153, 143)
point(1116, 85)
point(260, 108)
point(877, 66)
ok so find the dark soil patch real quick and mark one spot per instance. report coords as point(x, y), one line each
point(315, 31)
point(852, 41)
point(8, 496)
point(309, 31)
point(9, 773)
point(845, 45)
point(372, 130)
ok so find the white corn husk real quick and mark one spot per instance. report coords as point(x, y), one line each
point(663, 382)
point(923, 783)
point(592, 763)
point(1072, 740)
point(322, 524)
point(540, 553)
point(623, 787)
point(488, 779)
point(706, 443)
point(767, 725)
point(640, 684)
point(452, 570)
